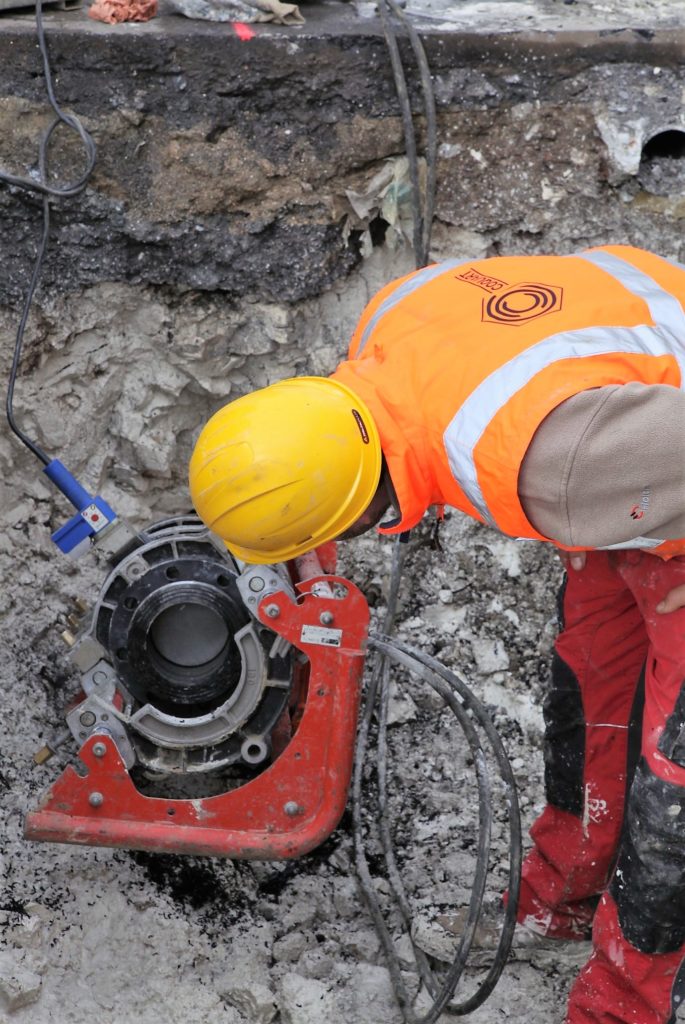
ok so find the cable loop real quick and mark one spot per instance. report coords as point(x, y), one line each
point(47, 192)
point(473, 720)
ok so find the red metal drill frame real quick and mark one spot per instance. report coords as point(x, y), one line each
point(286, 811)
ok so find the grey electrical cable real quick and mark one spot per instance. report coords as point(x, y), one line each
point(469, 713)
point(445, 681)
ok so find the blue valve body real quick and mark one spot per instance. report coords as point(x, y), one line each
point(93, 513)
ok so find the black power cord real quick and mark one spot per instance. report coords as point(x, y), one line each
point(47, 191)
point(423, 199)
point(474, 721)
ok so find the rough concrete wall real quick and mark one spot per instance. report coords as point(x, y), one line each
point(223, 164)
point(119, 378)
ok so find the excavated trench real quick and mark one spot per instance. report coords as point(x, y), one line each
point(241, 213)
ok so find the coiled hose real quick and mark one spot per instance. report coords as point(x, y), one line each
point(475, 723)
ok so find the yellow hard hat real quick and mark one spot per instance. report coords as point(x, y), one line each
point(286, 468)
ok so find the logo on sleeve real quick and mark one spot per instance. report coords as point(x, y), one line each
point(638, 511)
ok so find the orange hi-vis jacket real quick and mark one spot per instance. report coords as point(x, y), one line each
point(459, 364)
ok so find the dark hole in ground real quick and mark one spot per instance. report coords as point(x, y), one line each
point(662, 166)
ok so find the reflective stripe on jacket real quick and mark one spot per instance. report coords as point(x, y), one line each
point(459, 363)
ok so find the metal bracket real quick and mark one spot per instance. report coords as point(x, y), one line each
point(259, 582)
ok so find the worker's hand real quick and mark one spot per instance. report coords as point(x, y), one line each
point(674, 599)
point(574, 559)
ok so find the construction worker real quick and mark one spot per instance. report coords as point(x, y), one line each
point(542, 395)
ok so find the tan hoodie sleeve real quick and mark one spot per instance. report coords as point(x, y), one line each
point(607, 467)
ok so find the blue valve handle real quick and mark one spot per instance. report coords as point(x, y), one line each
point(93, 513)
point(67, 484)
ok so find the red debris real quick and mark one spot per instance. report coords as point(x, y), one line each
point(243, 31)
point(115, 11)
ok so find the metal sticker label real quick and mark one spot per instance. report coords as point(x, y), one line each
point(321, 636)
point(95, 518)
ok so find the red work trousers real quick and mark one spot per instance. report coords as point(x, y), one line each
point(592, 838)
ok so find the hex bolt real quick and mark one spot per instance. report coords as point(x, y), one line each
point(326, 618)
point(96, 799)
point(87, 718)
point(272, 610)
point(291, 808)
point(99, 749)
point(256, 584)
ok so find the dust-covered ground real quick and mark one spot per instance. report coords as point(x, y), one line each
point(116, 936)
point(537, 15)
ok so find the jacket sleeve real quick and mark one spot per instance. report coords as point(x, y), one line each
point(608, 466)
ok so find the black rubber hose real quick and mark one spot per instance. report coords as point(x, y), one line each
point(461, 699)
point(19, 339)
point(386, 8)
point(431, 132)
point(442, 992)
point(468, 710)
point(441, 996)
point(471, 703)
point(423, 206)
